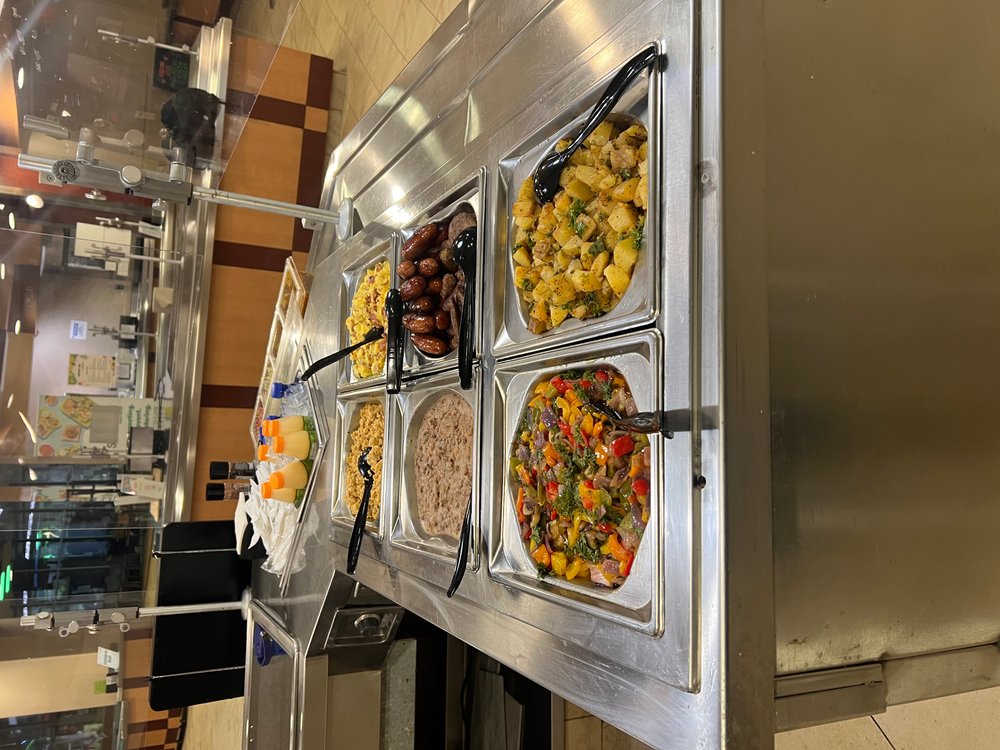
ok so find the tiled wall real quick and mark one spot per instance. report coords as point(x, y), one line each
point(279, 156)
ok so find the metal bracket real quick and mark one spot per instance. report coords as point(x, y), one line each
point(814, 698)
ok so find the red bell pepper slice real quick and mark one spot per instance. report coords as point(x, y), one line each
point(626, 567)
point(621, 446)
point(585, 384)
point(552, 490)
point(560, 385)
point(605, 527)
point(568, 432)
point(602, 375)
point(640, 487)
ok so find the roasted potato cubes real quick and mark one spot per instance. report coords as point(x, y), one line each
point(576, 255)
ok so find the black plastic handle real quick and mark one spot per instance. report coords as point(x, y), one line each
point(463, 551)
point(394, 341)
point(358, 533)
point(373, 335)
point(466, 333)
point(546, 178)
point(618, 86)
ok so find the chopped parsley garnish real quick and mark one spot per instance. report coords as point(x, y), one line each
point(568, 501)
point(577, 208)
point(527, 285)
point(542, 570)
point(598, 247)
point(584, 550)
point(626, 173)
point(636, 233)
point(593, 304)
point(536, 535)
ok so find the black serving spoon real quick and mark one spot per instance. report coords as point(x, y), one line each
point(464, 253)
point(394, 341)
point(354, 548)
point(546, 179)
point(373, 335)
point(463, 550)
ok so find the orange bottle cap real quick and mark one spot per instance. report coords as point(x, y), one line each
point(265, 490)
point(270, 427)
point(261, 452)
point(277, 481)
point(278, 444)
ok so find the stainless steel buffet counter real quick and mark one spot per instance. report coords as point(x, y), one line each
point(690, 659)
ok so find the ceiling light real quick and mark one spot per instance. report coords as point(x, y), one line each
point(34, 200)
point(32, 475)
point(3, 206)
point(31, 430)
point(3, 271)
point(20, 78)
point(10, 400)
point(10, 220)
point(17, 327)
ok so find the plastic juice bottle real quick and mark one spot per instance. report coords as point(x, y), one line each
point(284, 495)
point(285, 425)
point(295, 444)
point(294, 476)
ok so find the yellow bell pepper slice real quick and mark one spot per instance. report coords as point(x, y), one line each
point(573, 568)
point(542, 557)
point(588, 425)
point(605, 549)
point(559, 563)
point(598, 427)
point(523, 475)
point(537, 401)
point(617, 551)
point(602, 451)
point(551, 456)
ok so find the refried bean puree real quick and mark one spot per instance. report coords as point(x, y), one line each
point(443, 465)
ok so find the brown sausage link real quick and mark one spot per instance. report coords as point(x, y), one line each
point(423, 304)
point(415, 247)
point(442, 233)
point(447, 259)
point(419, 322)
point(442, 320)
point(412, 288)
point(429, 344)
point(406, 269)
point(434, 285)
point(428, 267)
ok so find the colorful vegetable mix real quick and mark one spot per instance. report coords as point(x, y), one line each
point(583, 485)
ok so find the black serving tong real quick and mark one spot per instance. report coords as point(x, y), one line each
point(373, 335)
point(664, 422)
point(546, 178)
point(464, 253)
point(464, 540)
point(358, 533)
point(394, 341)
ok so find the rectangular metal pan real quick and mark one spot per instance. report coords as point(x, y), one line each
point(637, 602)
point(413, 401)
point(361, 254)
point(640, 303)
point(348, 416)
point(469, 196)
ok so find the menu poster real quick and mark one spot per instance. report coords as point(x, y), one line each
point(68, 425)
point(92, 370)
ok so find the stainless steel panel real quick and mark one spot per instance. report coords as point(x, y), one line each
point(639, 304)
point(413, 400)
point(349, 415)
point(468, 197)
point(375, 244)
point(638, 602)
point(882, 178)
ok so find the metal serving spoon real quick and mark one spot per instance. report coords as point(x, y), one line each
point(645, 422)
point(546, 179)
point(373, 334)
point(354, 548)
point(463, 550)
point(464, 253)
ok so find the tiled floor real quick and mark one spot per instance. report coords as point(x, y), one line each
point(370, 41)
point(215, 726)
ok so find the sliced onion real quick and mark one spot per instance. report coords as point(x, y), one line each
point(637, 521)
point(549, 419)
point(630, 408)
point(619, 477)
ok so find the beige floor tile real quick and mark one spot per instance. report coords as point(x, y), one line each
point(970, 721)
point(441, 9)
point(382, 60)
point(350, 120)
point(328, 31)
point(311, 9)
point(583, 734)
point(414, 27)
point(856, 734)
point(386, 12)
point(215, 726)
point(615, 739)
point(574, 712)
